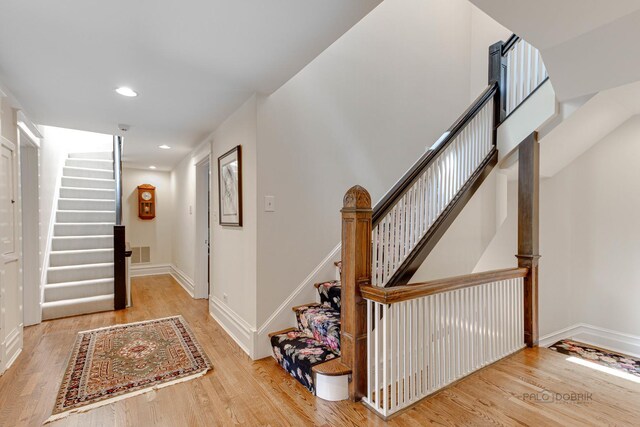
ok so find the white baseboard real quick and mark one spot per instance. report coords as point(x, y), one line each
point(599, 337)
point(185, 281)
point(234, 325)
point(158, 269)
point(149, 270)
point(305, 293)
point(12, 347)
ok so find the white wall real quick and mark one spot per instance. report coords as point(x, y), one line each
point(183, 188)
point(484, 32)
point(233, 250)
point(158, 232)
point(466, 240)
point(589, 270)
point(360, 113)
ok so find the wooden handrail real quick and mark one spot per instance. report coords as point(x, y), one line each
point(417, 290)
point(388, 201)
point(510, 43)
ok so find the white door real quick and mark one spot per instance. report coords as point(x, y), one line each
point(10, 288)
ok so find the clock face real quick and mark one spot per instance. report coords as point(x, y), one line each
point(146, 196)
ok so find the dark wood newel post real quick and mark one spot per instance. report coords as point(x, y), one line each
point(497, 74)
point(528, 232)
point(356, 271)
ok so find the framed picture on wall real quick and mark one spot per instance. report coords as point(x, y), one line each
point(230, 187)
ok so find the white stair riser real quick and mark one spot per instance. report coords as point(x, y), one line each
point(81, 193)
point(59, 259)
point(76, 182)
point(101, 155)
point(81, 242)
point(85, 216)
point(87, 173)
point(69, 291)
point(90, 164)
point(74, 308)
point(82, 229)
point(78, 273)
point(86, 205)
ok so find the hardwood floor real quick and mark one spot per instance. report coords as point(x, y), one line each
point(239, 391)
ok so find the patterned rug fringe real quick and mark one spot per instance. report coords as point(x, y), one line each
point(101, 403)
point(132, 323)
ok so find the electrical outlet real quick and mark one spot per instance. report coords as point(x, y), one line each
point(190, 209)
point(225, 297)
point(269, 204)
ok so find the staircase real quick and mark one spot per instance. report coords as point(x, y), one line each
point(80, 277)
point(404, 341)
point(311, 351)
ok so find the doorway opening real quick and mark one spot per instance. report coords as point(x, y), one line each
point(202, 287)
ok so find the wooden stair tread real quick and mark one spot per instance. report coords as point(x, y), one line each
point(332, 368)
point(317, 285)
point(298, 307)
point(284, 331)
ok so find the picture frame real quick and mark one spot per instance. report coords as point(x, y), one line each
point(230, 187)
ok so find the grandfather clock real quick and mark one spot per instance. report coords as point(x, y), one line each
point(146, 201)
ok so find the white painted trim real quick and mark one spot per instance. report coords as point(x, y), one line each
point(282, 318)
point(233, 324)
point(201, 153)
point(13, 346)
point(202, 230)
point(140, 270)
point(52, 223)
point(181, 277)
point(332, 388)
point(29, 128)
point(600, 337)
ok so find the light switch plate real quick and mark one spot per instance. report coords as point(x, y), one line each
point(269, 204)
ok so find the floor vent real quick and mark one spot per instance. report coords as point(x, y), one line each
point(140, 255)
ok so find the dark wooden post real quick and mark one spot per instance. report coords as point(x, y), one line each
point(498, 74)
point(528, 233)
point(356, 271)
point(119, 268)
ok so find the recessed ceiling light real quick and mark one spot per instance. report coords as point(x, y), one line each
point(152, 167)
point(164, 147)
point(126, 91)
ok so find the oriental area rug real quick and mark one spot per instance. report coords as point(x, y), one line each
point(117, 362)
point(607, 358)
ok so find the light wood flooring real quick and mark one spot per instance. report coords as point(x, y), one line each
point(241, 392)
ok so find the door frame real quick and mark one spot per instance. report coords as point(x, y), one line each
point(201, 288)
point(29, 164)
point(11, 341)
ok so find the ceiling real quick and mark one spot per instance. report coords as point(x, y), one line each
point(587, 45)
point(193, 62)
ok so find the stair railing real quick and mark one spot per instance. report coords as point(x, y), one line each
point(424, 336)
point(384, 246)
point(120, 253)
point(410, 219)
point(522, 73)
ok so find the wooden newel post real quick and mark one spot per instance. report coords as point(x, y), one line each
point(528, 233)
point(356, 271)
